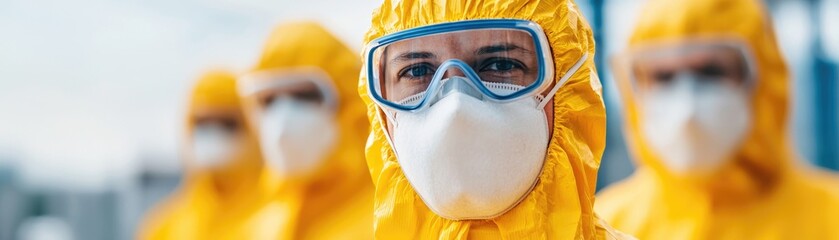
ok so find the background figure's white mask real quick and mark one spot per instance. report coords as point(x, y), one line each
point(468, 158)
point(295, 137)
point(213, 146)
point(695, 125)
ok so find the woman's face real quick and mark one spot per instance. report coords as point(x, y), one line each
point(506, 56)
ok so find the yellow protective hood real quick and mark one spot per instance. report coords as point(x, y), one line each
point(560, 205)
point(336, 202)
point(208, 200)
point(761, 193)
point(764, 155)
point(215, 89)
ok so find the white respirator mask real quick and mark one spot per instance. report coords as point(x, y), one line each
point(471, 157)
point(296, 137)
point(213, 146)
point(695, 125)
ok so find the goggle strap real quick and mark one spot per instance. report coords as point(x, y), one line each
point(562, 80)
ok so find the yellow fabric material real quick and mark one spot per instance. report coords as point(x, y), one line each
point(762, 192)
point(560, 205)
point(336, 202)
point(210, 202)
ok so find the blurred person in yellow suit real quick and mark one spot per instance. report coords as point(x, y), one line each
point(301, 99)
point(222, 167)
point(706, 96)
point(487, 120)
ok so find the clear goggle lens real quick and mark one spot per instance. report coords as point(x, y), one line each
point(505, 61)
point(710, 63)
point(303, 85)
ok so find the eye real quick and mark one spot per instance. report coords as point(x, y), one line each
point(712, 70)
point(267, 100)
point(416, 71)
point(502, 65)
point(229, 124)
point(663, 77)
point(312, 96)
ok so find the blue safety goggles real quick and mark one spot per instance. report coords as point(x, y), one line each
point(502, 59)
point(708, 60)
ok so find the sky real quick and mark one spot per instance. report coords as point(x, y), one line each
point(90, 89)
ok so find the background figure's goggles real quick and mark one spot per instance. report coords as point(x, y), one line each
point(723, 62)
point(304, 84)
point(504, 59)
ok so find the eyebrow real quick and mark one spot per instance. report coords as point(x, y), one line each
point(504, 47)
point(412, 55)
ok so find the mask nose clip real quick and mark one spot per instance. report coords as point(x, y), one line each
point(460, 85)
point(687, 80)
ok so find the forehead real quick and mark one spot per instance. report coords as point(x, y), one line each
point(462, 40)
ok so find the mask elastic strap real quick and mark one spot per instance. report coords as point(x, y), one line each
point(562, 80)
point(391, 117)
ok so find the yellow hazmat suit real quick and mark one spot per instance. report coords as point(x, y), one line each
point(210, 201)
point(560, 205)
point(336, 201)
point(761, 193)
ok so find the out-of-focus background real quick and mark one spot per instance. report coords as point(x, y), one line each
point(92, 94)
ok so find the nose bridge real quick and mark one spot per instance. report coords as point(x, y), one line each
point(456, 68)
point(686, 83)
point(461, 85)
point(453, 72)
point(688, 88)
point(455, 78)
